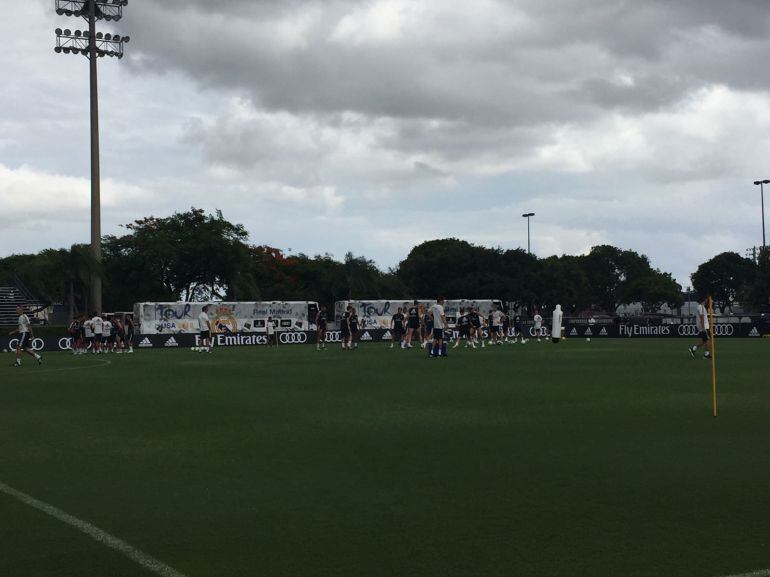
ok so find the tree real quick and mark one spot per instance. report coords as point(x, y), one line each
point(192, 255)
point(54, 275)
point(756, 294)
point(456, 267)
point(655, 289)
point(724, 277)
point(563, 281)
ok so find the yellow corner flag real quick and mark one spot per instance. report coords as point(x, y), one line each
point(713, 356)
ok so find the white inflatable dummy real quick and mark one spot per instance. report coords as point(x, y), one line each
point(556, 327)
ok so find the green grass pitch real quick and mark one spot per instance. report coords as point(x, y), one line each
point(592, 459)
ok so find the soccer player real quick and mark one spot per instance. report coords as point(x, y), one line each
point(129, 338)
point(353, 323)
point(427, 328)
point(476, 332)
point(97, 326)
point(120, 335)
point(412, 323)
point(506, 322)
point(464, 330)
point(345, 327)
point(74, 332)
point(88, 332)
point(702, 322)
point(82, 343)
point(25, 338)
point(439, 324)
point(538, 320)
point(517, 332)
point(397, 328)
point(106, 335)
point(270, 326)
point(320, 321)
point(494, 323)
point(204, 326)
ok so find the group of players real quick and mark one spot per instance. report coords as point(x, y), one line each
point(417, 323)
point(87, 334)
point(101, 335)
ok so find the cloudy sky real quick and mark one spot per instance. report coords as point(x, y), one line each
point(372, 125)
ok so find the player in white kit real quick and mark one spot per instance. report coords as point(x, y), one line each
point(204, 326)
point(106, 334)
point(497, 324)
point(25, 338)
point(703, 325)
point(97, 325)
point(88, 332)
point(538, 321)
point(439, 326)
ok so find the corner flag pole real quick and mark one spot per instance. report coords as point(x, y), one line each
point(713, 357)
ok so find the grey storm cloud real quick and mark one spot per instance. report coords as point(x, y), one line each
point(538, 62)
point(456, 80)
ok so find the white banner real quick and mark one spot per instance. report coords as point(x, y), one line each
point(240, 317)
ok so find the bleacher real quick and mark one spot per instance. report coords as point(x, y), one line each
point(10, 297)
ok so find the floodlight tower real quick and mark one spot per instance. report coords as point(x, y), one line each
point(761, 184)
point(528, 216)
point(92, 45)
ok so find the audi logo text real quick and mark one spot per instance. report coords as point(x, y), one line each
point(293, 338)
point(725, 330)
point(333, 337)
point(36, 344)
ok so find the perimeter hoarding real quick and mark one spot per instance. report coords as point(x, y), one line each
point(384, 335)
point(252, 339)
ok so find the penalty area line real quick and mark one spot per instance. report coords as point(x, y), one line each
point(136, 555)
point(760, 573)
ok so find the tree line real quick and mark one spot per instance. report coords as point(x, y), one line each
point(197, 256)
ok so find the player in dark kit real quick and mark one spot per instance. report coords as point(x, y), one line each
point(345, 328)
point(412, 323)
point(397, 328)
point(517, 329)
point(506, 326)
point(464, 329)
point(427, 324)
point(129, 328)
point(120, 334)
point(476, 332)
point(321, 322)
point(353, 328)
point(74, 332)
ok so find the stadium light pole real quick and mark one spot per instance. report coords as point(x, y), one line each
point(92, 45)
point(761, 184)
point(528, 216)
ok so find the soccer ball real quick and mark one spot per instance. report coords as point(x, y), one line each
point(588, 340)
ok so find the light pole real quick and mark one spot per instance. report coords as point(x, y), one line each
point(92, 45)
point(761, 184)
point(528, 216)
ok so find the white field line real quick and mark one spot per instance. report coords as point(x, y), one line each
point(34, 371)
point(137, 556)
point(760, 573)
